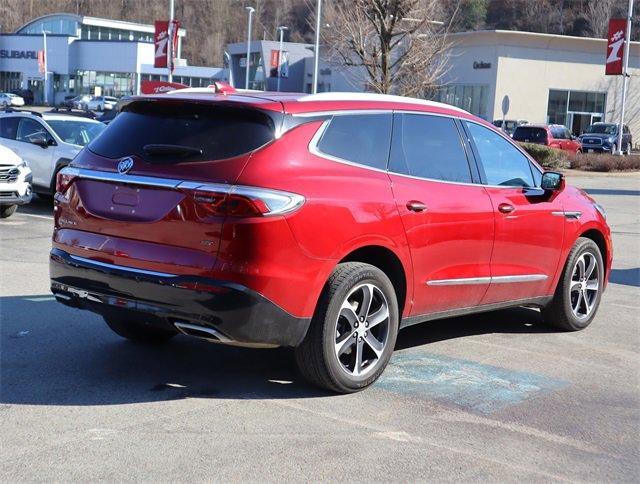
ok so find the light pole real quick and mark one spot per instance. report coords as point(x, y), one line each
point(282, 28)
point(46, 67)
point(170, 44)
point(246, 76)
point(314, 88)
point(625, 78)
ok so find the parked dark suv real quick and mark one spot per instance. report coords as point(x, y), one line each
point(603, 138)
point(321, 222)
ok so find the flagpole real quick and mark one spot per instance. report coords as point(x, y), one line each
point(170, 43)
point(625, 78)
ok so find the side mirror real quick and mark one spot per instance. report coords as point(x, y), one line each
point(552, 181)
point(40, 140)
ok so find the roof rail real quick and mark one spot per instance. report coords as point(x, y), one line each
point(13, 110)
point(370, 96)
point(72, 112)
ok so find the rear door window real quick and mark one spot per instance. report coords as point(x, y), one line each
point(530, 135)
point(503, 163)
point(9, 127)
point(173, 132)
point(558, 132)
point(428, 147)
point(359, 138)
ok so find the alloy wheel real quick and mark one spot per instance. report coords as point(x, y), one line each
point(585, 285)
point(362, 330)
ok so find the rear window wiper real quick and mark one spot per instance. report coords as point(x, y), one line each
point(169, 150)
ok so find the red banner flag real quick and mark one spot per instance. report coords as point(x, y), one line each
point(41, 61)
point(615, 46)
point(160, 40)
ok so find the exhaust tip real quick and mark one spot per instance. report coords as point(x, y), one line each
point(203, 332)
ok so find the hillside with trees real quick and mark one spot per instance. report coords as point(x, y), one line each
point(211, 24)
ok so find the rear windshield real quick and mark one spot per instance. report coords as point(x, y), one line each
point(525, 133)
point(193, 132)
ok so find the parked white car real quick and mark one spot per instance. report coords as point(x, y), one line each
point(101, 103)
point(15, 182)
point(47, 142)
point(9, 99)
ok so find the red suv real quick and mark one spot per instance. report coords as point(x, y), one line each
point(551, 135)
point(321, 222)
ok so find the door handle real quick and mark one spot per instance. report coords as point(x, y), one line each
point(506, 208)
point(416, 206)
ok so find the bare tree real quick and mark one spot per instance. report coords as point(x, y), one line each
point(397, 43)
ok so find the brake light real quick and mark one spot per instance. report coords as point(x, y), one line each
point(242, 201)
point(64, 178)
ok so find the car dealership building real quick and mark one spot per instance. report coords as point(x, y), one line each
point(87, 55)
point(547, 79)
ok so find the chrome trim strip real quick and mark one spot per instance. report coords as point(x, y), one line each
point(569, 215)
point(522, 278)
point(106, 265)
point(119, 178)
point(487, 280)
point(459, 282)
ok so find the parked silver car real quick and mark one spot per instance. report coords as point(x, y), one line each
point(47, 142)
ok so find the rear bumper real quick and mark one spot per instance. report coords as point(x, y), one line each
point(240, 315)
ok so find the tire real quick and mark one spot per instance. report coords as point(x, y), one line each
point(7, 210)
point(338, 318)
point(139, 331)
point(569, 310)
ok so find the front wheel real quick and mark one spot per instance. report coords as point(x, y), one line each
point(7, 210)
point(579, 290)
point(353, 331)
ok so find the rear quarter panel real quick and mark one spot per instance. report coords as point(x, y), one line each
point(347, 207)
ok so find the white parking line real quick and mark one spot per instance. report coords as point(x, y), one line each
point(46, 217)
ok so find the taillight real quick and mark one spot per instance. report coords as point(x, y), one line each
point(64, 178)
point(243, 201)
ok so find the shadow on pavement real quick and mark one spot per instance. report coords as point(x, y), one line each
point(513, 321)
point(38, 206)
point(53, 355)
point(627, 277)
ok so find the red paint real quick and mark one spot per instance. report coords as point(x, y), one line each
point(462, 233)
point(159, 87)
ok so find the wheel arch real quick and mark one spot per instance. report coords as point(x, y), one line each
point(60, 164)
point(388, 262)
point(600, 240)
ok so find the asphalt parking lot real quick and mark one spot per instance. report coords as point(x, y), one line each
point(495, 397)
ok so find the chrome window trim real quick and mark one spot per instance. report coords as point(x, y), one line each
point(313, 144)
point(314, 150)
point(487, 280)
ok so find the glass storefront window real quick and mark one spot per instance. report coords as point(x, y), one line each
point(470, 97)
point(563, 103)
point(110, 83)
point(557, 107)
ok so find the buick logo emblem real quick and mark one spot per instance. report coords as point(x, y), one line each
point(125, 165)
